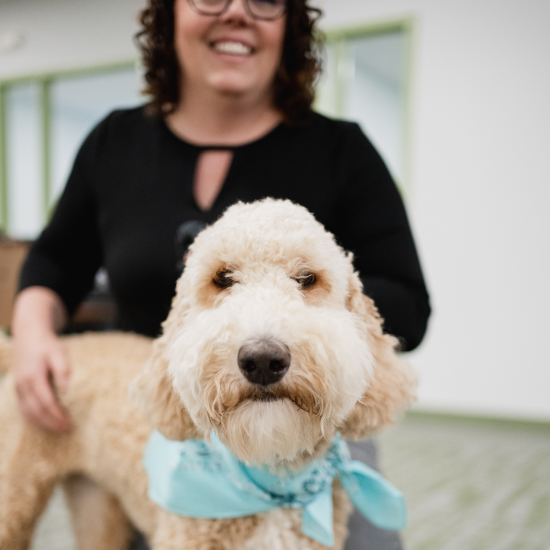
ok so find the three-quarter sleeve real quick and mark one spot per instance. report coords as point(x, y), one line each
point(373, 224)
point(67, 254)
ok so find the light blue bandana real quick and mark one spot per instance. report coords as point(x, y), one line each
point(196, 479)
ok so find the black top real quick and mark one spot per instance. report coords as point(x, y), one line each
point(132, 186)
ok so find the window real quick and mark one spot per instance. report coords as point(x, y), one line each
point(24, 159)
point(44, 121)
point(366, 80)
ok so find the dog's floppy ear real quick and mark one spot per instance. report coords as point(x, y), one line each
point(393, 385)
point(153, 392)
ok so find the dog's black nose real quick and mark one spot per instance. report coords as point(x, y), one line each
point(263, 362)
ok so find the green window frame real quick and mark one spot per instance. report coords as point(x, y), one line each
point(44, 81)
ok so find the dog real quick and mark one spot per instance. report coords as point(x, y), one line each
point(270, 347)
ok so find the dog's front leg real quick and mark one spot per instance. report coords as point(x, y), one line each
point(98, 520)
point(31, 462)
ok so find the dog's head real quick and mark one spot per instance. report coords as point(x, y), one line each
point(270, 341)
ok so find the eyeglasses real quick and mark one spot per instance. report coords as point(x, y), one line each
point(268, 10)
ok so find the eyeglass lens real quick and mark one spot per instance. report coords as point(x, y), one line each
point(259, 9)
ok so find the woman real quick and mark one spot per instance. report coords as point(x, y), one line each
point(232, 87)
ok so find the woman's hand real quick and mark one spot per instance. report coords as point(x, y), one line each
point(40, 363)
point(41, 367)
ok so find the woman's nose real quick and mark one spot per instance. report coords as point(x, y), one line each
point(235, 9)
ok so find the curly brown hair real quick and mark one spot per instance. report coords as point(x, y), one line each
point(294, 81)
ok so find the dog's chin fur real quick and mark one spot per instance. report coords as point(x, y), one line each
point(271, 433)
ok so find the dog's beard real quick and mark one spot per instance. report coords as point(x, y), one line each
point(269, 425)
point(270, 432)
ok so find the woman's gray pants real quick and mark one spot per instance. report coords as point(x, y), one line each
point(363, 535)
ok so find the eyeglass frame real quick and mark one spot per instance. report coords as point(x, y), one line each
point(246, 7)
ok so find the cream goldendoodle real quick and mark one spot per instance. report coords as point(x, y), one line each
point(270, 348)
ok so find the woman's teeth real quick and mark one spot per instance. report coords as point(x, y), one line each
point(235, 48)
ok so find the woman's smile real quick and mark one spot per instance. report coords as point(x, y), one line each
point(232, 47)
point(231, 53)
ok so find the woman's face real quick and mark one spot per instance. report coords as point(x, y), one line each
point(230, 53)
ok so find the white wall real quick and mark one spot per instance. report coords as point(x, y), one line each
point(480, 179)
point(480, 194)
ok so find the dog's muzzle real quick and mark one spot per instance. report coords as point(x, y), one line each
point(263, 362)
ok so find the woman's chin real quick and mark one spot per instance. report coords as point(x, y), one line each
point(232, 83)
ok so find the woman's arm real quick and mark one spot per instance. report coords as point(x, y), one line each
point(373, 224)
point(405, 309)
point(40, 367)
point(55, 277)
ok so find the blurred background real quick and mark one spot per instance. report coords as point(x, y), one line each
point(456, 96)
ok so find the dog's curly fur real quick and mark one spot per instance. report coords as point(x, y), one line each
point(265, 270)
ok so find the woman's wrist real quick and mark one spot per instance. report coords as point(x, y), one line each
point(39, 313)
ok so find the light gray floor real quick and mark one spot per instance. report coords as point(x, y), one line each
point(54, 531)
point(469, 486)
point(472, 485)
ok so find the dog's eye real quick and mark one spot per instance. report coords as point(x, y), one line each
point(307, 280)
point(223, 279)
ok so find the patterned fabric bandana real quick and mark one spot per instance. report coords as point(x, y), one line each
point(198, 479)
